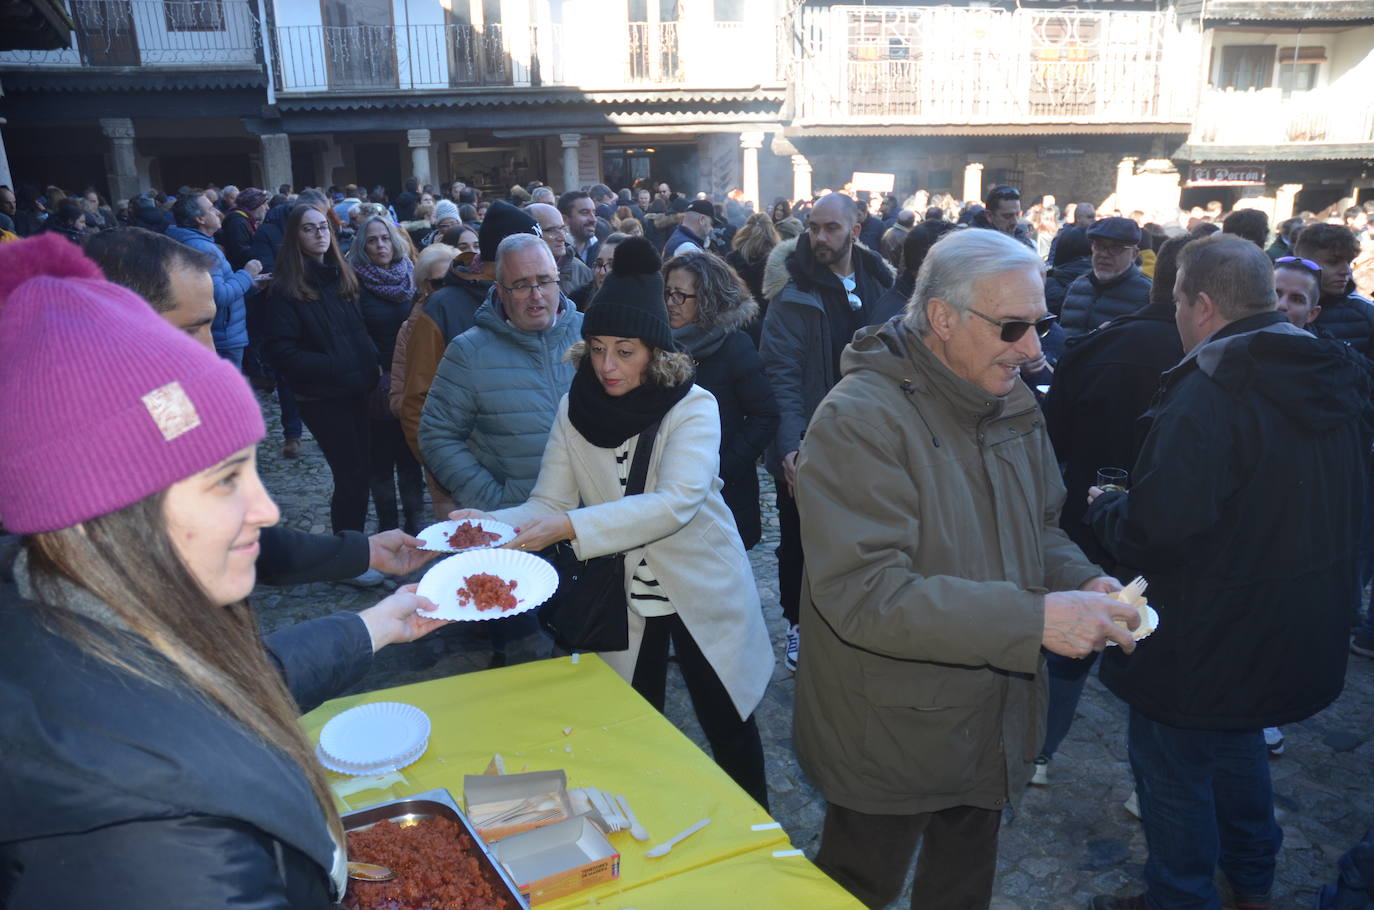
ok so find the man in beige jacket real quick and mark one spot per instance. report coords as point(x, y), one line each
point(929, 499)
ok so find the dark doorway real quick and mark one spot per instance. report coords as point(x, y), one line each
point(1318, 198)
point(105, 32)
point(198, 170)
point(303, 166)
point(377, 162)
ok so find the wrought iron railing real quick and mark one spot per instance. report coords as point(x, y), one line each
point(1265, 117)
point(948, 65)
point(218, 33)
point(318, 58)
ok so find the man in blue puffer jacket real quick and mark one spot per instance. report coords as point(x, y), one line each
point(197, 221)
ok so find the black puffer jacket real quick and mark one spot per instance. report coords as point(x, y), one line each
point(1060, 278)
point(236, 236)
point(1244, 513)
point(267, 240)
point(321, 346)
point(122, 794)
point(383, 320)
point(1350, 318)
point(1103, 384)
point(733, 372)
point(1090, 302)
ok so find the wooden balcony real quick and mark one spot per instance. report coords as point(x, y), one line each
point(936, 66)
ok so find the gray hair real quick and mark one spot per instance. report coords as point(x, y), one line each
point(517, 242)
point(955, 264)
point(357, 251)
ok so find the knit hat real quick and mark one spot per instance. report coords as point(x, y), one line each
point(630, 302)
point(105, 402)
point(445, 208)
point(503, 219)
point(250, 199)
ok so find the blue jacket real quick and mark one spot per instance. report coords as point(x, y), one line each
point(231, 288)
point(487, 417)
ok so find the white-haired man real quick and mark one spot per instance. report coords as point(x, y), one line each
point(935, 573)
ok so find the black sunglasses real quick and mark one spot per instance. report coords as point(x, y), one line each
point(1299, 261)
point(1014, 329)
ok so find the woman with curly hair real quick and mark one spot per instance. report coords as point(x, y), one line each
point(687, 577)
point(709, 309)
point(749, 257)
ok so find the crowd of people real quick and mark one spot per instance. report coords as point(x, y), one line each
point(934, 387)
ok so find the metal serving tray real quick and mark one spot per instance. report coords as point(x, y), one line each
point(432, 804)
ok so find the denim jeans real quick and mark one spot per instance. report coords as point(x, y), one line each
point(1205, 801)
point(1067, 677)
point(290, 413)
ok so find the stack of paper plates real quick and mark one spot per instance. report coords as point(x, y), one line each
point(374, 739)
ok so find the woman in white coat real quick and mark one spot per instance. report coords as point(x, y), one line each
point(687, 577)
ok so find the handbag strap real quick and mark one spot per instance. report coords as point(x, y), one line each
point(639, 468)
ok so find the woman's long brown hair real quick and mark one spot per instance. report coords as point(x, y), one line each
point(127, 560)
point(291, 275)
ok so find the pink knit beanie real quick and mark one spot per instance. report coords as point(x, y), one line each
point(102, 403)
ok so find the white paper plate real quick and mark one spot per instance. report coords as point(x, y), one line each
point(436, 536)
point(536, 581)
point(403, 761)
point(1149, 625)
point(375, 735)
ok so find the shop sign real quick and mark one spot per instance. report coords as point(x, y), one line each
point(1059, 151)
point(866, 181)
point(1225, 175)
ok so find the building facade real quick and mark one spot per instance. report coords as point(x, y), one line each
point(1137, 103)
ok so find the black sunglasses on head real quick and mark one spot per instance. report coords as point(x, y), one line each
point(1014, 329)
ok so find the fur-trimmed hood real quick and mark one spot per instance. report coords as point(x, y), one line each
point(737, 317)
point(782, 267)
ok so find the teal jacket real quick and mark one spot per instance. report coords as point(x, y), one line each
point(488, 413)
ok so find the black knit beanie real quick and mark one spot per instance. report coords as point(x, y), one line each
point(502, 220)
point(630, 302)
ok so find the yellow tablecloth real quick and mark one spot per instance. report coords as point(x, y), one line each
point(618, 742)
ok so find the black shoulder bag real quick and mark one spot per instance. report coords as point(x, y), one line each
point(588, 611)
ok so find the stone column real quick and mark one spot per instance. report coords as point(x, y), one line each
point(749, 144)
point(571, 141)
point(1284, 199)
point(1125, 180)
point(801, 178)
point(276, 161)
point(123, 176)
point(973, 181)
point(419, 142)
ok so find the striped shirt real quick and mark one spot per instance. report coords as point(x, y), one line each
point(647, 598)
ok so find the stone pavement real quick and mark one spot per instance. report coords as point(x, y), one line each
point(1065, 843)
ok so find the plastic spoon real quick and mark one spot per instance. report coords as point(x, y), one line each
point(369, 872)
point(637, 831)
point(663, 848)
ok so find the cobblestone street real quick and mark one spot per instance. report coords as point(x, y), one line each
point(1064, 843)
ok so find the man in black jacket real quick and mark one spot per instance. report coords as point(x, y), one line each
point(1347, 316)
point(832, 289)
point(1243, 513)
point(1102, 385)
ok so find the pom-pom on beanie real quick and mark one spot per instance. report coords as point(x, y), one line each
point(105, 402)
point(630, 302)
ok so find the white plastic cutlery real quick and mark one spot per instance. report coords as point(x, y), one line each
point(664, 848)
point(637, 830)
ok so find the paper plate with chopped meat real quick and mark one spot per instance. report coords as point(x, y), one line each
point(487, 584)
point(468, 534)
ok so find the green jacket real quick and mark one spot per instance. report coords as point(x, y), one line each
point(930, 523)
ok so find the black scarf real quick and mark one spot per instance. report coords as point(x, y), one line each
point(605, 420)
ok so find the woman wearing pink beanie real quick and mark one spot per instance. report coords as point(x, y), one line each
point(151, 751)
